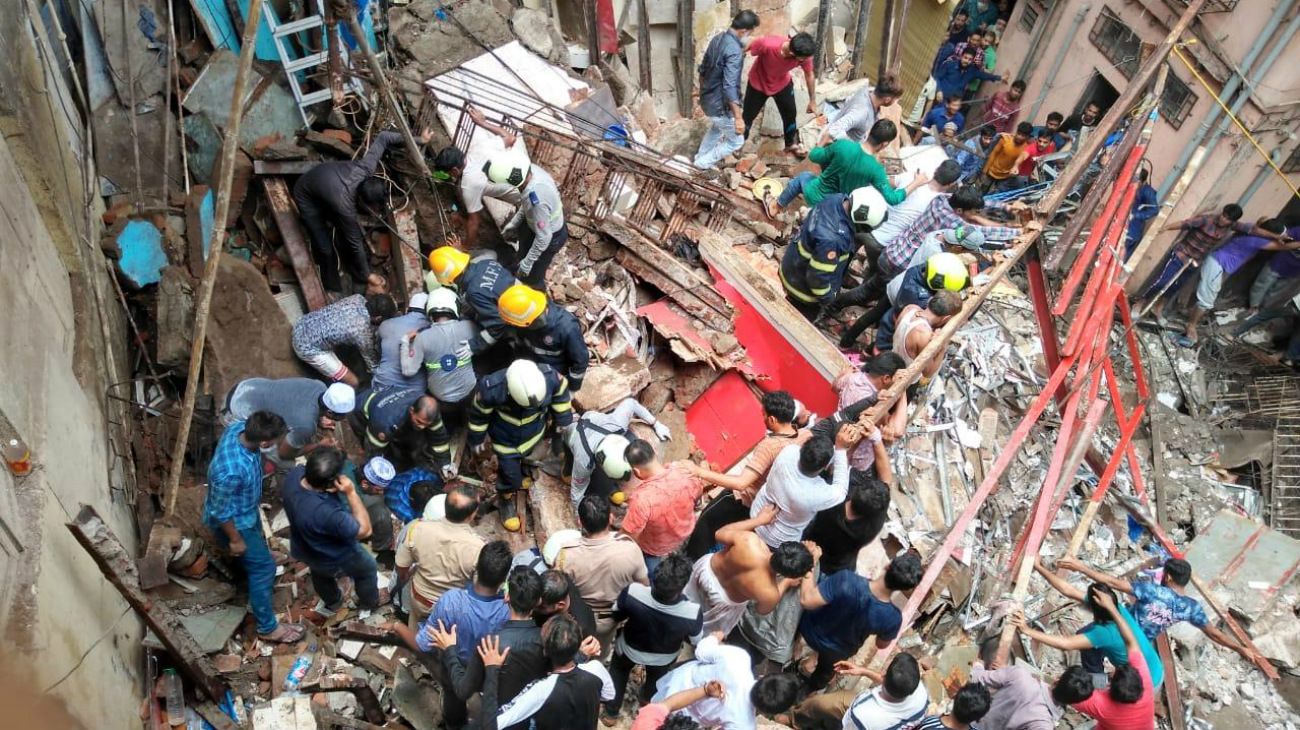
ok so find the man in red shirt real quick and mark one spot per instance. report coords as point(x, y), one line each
point(769, 78)
point(1039, 147)
point(1003, 109)
point(661, 507)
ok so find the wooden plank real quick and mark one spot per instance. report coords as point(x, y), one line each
point(115, 562)
point(768, 299)
point(282, 167)
point(685, 286)
point(1173, 700)
point(410, 269)
point(286, 220)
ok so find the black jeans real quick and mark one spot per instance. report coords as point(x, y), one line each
point(620, 668)
point(824, 671)
point(317, 220)
point(871, 292)
point(454, 712)
point(755, 100)
point(358, 566)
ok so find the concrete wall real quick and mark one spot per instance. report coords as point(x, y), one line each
point(1233, 165)
point(66, 628)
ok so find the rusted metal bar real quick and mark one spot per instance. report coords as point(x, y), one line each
point(93, 534)
point(1042, 519)
point(285, 216)
point(203, 300)
point(1136, 86)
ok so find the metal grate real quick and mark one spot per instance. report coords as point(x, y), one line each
point(1260, 401)
point(1215, 6)
point(1283, 498)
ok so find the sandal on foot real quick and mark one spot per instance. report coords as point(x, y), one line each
point(285, 634)
point(1183, 341)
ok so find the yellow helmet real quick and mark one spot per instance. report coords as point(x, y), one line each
point(447, 263)
point(521, 304)
point(945, 271)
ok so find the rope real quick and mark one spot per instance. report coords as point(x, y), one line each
point(1254, 142)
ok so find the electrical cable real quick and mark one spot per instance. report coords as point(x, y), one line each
point(1235, 120)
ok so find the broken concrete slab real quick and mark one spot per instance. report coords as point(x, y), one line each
point(436, 46)
point(417, 702)
point(131, 33)
point(210, 629)
point(175, 318)
point(235, 350)
point(609, 383)
point(534, 29)
point(552, 509)
point(290, 712)
point(1244, 563)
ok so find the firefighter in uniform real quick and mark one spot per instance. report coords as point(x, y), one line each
point(405, 425)
point(545, 334)
point(596, 447)
point(511, 408)
point(814, 264)
point(480, 280)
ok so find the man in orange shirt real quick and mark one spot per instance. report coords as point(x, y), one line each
point(661, 507)
point(1000, 167)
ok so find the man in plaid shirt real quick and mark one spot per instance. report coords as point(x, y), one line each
point(960, 209)
point(231, 511)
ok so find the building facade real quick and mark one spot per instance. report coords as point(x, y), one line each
point(1070, 52)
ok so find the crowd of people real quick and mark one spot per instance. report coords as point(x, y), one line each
point(737, 594)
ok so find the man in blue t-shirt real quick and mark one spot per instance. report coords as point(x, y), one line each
point(843, 609)
point(1161, 605)
point(324, 531)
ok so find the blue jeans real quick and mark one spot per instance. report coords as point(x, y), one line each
point(719, 141)
point(360, 567)
point(259, 566)
point(794, 188)
point(651, 564)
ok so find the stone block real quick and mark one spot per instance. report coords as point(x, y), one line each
point(551, 507)
point(608, 383)
point(175, 318)
point(248, 334)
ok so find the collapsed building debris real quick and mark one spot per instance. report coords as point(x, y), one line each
point(674, 281)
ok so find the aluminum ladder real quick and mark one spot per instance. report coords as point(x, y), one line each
point(281, 33)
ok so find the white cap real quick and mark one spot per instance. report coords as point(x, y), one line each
point(419, 301)
point(379, 471)
point(436, 508)
point(340, 398)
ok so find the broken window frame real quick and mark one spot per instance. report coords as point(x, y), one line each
point(1110, 34)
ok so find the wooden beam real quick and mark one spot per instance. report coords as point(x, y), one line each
point(643, 47)
point(1136, 87)
point(203, 302)
point(118, 567)
point(406, 244)
point(285, 216)
point(824, 9)
point(681, 283)
point(886, 40)
point(768, 299)
point(896, 53)
point(860, 38)
point(285, 167)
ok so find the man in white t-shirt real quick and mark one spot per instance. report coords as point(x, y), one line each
point(902, 215)
point(796, 488)
point(452, 164)
point(743, 698)
point(897, 702)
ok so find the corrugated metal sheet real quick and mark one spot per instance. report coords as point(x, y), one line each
point(927, 21)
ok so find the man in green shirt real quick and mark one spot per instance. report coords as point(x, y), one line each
point(846, 166)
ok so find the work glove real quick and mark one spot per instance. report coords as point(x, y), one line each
point(448, 472)
point(662, 431)
point(464, 351)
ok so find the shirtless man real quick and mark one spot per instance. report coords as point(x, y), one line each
point(745, 570)
point(916, 327)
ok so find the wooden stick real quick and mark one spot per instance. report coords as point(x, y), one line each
point(229, 148)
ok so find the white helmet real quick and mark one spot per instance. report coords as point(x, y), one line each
point(525, 382)
point(507, 170)
point(442, 301)
point(611, 454)
point(558, 542)
point(867, 208)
